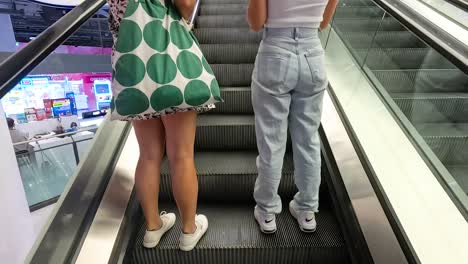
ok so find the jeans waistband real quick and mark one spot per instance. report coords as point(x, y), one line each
point(294, 33)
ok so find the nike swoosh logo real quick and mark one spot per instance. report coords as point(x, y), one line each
point(308, 220)
point(268, 221)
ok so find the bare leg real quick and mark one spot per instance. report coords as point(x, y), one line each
point(150, 136)
point(180, 138)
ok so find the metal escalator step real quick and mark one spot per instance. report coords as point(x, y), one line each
point(233, 75)
point(223, 9)
point(225, 133)
point(233, 237)
point(449, 141)
point(232, 21)
point(433, 107)
point(223, 36)
point(230, 53)
point(422, 81)
point(237, 100)
point(368, 24)
point(358, 12)
point(408, 58)
point(228, 177)
point(404, 58)
point(388, 39)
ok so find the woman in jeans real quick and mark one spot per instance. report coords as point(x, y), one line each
point(174, 134)
point(288, 85)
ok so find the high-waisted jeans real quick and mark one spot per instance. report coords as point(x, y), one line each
point(288, 85)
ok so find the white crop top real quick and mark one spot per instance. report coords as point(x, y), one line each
point(295, 13)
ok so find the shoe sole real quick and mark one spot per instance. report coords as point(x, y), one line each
point(155, 243)
point(300, 227)
point(267, 232)
point(191, 247)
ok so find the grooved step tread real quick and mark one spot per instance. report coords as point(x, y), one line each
point(233, 237)
point(229, 163)
point(226, 120)
point(223, 9)
point(431, 96)
point(230, 177)
point(212, 21)
point(223, 36)
point(443, 130)
point(423, 80)
point(368, 24)
point(403, 58)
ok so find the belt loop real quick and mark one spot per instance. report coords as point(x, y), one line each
point(295, 33)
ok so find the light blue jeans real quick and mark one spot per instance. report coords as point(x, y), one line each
point(288, 85)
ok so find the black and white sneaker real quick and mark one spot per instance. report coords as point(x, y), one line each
point(267, 222)
point(305, 219)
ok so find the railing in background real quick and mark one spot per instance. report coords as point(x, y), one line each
point(17, 66)
point(47, 163)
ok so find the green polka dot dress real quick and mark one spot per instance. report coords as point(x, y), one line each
point(158, 67)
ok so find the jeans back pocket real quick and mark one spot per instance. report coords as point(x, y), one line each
point(316, 62)
point(272, 69)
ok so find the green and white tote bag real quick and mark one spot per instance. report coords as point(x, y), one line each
point(158, 67)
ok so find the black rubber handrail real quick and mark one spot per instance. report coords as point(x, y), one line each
point(18, 65)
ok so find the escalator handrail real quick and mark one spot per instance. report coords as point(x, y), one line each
point(19, 64)
point(445, 43)
point(463, 4)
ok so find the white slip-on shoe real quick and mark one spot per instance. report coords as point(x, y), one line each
point(267, 222)
point(305, 219)
point(188, 242)
point(153, 237)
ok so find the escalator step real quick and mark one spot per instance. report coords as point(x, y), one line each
point(233, 237)
point(368, 24)
point(230, 177)
point(449, 141)
point(225, 133)
point(223, 36)
point(407, 58)
point(237, 100)
point(357, 12)
point(388, 39)
point(223, 9)
point(434, 107)
point(232, 21)
point(230, 53)
point(233, 75)
point(422, 81)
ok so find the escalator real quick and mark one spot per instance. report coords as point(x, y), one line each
point(400, 65)
point(225, 156)
point(428, 89)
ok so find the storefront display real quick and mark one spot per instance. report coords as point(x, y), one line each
point(58, 94)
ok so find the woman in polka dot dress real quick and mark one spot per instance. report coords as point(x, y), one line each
point(174, 132)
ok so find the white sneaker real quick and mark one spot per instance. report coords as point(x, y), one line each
point(153, 237)
point(306, 219)
point(189, 241)
point(267, 222)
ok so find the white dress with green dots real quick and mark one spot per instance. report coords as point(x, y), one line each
point(149, 35)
